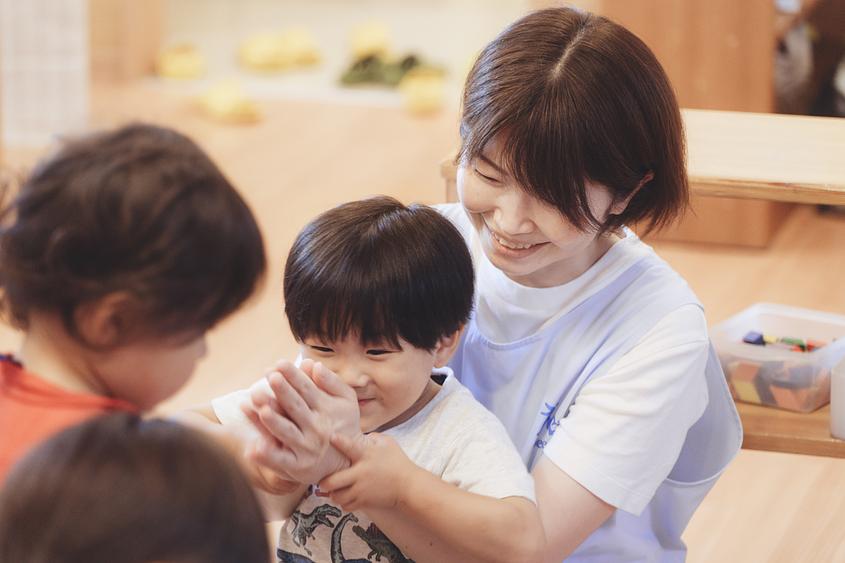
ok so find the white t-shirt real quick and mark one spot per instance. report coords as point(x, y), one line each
point(625, 432)
point(453, 437)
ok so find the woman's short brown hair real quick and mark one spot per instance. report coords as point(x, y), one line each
point(121, 489)
point(140, 209)
point(574, 97)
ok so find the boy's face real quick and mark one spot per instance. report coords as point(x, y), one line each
point(392, 383)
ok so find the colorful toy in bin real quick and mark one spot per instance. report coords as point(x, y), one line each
point(786, 342)
point(765, 367)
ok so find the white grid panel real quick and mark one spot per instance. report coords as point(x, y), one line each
point(44, 66)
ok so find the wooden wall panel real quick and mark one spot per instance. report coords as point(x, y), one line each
point(125, 36)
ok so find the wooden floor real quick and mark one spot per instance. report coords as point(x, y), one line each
point(304, 157)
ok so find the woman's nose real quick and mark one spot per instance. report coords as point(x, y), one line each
point(512, 213)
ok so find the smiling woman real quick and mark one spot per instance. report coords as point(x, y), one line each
point(588, 347)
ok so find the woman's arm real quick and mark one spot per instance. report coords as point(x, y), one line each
point(569, 512)
point(426, 517)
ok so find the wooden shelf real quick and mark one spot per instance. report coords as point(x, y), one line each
point(765, 156)
point(775, 430)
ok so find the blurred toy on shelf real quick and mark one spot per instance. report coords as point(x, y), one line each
point(379, 70)
point(183, 62)
point(423, 90)
point(370, 39)
point(227, 102)
point(277, 52)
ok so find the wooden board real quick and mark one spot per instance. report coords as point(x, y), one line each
point(775, 430)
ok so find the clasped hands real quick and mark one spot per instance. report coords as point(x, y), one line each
point(309, 426)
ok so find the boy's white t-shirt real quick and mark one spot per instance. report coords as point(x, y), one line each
point(453, 437)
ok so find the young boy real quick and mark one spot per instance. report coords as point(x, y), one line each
point(377, 293)
point(117, 255)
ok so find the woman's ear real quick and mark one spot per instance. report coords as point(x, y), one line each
point(620, 206)
point(446, 347)
point(106, 321)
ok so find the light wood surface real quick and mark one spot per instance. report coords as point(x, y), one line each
point(763, 156)
point(777, 430)
point(767, 507)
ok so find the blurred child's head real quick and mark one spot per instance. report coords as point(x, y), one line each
point(129, 238)
point(119, 489)
point(378, 292)
point(574, 113)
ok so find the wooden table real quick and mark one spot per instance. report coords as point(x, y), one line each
point(775, 430)
point(796, 159)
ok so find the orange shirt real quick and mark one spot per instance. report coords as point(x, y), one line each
point(32, 410)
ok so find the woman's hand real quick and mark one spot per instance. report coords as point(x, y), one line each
point(378, 477)
point(297, 419)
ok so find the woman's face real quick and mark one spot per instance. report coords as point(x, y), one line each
point(526, 238)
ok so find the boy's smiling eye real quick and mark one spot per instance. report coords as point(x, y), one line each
point(378, 352)
point(319, 348)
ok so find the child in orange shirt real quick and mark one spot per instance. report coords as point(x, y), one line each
point(117, 255)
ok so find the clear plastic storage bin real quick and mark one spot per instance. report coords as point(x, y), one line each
point(767, 375)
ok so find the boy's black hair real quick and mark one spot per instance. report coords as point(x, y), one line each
point(381, 271)
point(119, 488)
point(142, 210)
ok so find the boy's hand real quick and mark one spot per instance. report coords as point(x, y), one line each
point(379, 476)
point(299, 421)
point(269, 480)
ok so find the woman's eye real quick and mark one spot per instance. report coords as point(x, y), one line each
point(486, 178)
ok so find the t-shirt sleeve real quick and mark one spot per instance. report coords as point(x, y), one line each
point(625, 431)
point(227, 407)
point(481, 458)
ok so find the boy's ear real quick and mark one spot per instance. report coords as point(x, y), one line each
point(105, 321)
point(446, 347)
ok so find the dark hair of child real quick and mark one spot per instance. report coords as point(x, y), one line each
point(380, 270)
point(119, 489)
point(574, 97)
point(141, 210)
